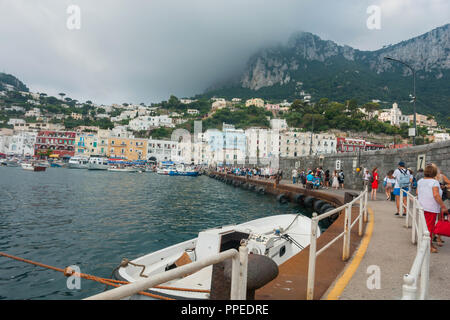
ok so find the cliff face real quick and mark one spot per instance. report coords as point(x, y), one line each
point(429, 52)
point(10, 80)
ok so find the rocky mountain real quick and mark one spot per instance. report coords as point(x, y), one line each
point(308, 64)
point(10, 82)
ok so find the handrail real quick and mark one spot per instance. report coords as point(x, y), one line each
point(238, 276)
point(313, 253)
point(421, 236)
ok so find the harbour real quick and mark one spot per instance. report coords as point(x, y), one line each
point(93, 219)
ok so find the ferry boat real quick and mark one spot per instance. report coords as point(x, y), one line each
point(183, 170)
point(98, 163)
point(78, 162)
point(278, 237)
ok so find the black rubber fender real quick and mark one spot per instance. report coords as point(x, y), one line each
point(244, 186)
point(298, 198)
point(318, 204)
point(236, 183)
point(251, 187)
point(282, 198)
point(325, 208)
point(261, 190)
point(308, 201)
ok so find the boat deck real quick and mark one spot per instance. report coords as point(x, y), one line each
point(291, 282)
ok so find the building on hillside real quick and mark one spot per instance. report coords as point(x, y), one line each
point(219, 104)
point(33, 113)
point(394, 116)
point(87, 144)
point(55, 144)
point(130, 149)
point(374, 146)
point(441, 136)
point(38, 126)
point(192, 112)
point(350, 144)
point(14, 122)
point(257, 102)
point(422, 120)
point(76, 116)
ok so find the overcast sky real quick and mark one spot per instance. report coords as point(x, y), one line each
point(142, 51)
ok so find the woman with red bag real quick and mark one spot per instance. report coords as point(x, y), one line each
point(429, 195)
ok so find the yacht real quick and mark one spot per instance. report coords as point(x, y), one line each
point(78, 162)
point(98, 163)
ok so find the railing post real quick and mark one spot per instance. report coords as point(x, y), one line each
point(243, 266)
point(347, 223)
point(360, 216)
point(409, 288)
point(401, 202)
point(366, 197)
point(414, 219)
point(312, 258)
point(235, 277)
point(407, 210)
point(425, 270)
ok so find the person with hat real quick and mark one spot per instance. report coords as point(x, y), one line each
point(403, 179)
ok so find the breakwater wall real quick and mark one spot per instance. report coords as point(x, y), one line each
point(385, 160)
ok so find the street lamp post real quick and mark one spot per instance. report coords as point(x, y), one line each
point(414, 92)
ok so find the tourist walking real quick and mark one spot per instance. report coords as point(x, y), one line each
point(388, 184)
point(294, 176)
point(373, 194)
point(444, 183)
point(335, 181)
point(341, 178)
point(327, 179)
point(403, 179)
point(366, 178)
point(429, 195)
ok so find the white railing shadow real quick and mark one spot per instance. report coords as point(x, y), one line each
point(348, 225)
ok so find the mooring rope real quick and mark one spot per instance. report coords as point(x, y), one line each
point(110, 282)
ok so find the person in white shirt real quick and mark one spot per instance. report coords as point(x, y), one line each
point(403, 179)
point(429, 195)
point(388, 183)
point(294, 176)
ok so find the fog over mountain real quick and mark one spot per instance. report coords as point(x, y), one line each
point(136, 51)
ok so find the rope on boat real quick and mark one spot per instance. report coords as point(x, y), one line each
point(110, 282)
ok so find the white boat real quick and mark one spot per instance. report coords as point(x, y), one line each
point(98, 163)
point(122, 169)
point(77, 162)
point(278, 237)
point(32, 167)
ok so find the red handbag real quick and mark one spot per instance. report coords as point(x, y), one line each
point(442, 227)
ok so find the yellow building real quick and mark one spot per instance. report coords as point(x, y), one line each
point(255, 102)
point(128, 148)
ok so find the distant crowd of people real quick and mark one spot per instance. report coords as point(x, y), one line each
point(318, 178)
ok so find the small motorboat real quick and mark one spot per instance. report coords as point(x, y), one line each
point(33, 167)
point(122, 169)
point(278, 237)
point(183, 170)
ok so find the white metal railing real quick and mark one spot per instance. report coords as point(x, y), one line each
point(348, 225)
point(421, 236)
point(238, 276)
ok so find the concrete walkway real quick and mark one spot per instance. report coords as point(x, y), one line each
point(391, 253)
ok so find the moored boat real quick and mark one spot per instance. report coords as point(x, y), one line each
point(78, 162)
point(98, 163)
point(122, 169)
point(32, 167)
point(277, 237)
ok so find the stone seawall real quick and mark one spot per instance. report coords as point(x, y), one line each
point(385, 160)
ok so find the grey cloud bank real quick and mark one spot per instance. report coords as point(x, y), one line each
point(136, 51)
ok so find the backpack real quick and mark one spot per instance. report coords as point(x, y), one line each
point(403, 179)
point(371, 178)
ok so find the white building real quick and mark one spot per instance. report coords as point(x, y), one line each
point(219, 104)
point(19, 144)
point(192, 112)
point(297, 144)
point(278, 124)
point(35, 112)
point(442, 136)
point(163, 150)
point(263, 145)
point(394, 116)
point(16, 121)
